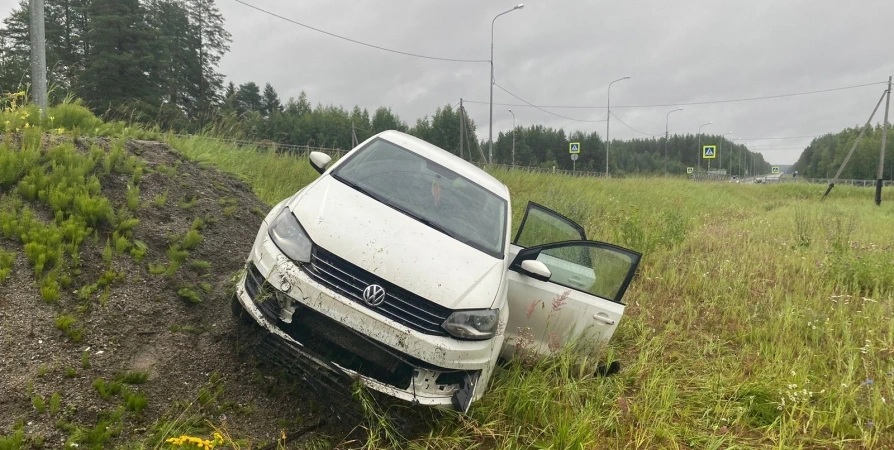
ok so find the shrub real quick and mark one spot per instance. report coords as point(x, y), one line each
point(189, 295)
point(74, 116)
point(39, 403)
point(199, 264)
point(7, 259)
point(133, 377)
point(160, 200)
point(192, 240)
point(55, 402)
point(133, 197)
point(138, 250)
point(49, 290)
point(134, 401)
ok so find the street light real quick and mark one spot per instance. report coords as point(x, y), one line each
point(700, 144)
point(513, 137)
point(608, 112)
point(490, 132)
point(741, 159)
point(720, 150)
point(666, 118)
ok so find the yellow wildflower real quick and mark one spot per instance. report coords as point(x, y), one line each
point(60, 130)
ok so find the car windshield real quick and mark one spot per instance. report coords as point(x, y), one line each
point(429, 193)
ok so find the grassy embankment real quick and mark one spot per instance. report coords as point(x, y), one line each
point(761, 317)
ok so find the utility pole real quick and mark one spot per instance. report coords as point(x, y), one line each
point(462, 126)
point(354, 141)
point(38, 57)
point(513, 137)
point(608, 113)
point(666, 136)
point(879, 182)
point(854, 147)
point(700, 145)
point(720, 152)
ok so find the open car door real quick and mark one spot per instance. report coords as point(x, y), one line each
point(562, 287)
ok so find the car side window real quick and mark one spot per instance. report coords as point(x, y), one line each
point(543, 226)
point(598, 269)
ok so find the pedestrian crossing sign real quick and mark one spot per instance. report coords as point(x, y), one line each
point(690, 169)
point(574, 147)
point(709, 151)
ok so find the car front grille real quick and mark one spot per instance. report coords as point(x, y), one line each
point(400, 305)
point(261, 292)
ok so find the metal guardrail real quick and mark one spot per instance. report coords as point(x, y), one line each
point(304, 150)
point(859, 183)
point(529, 169)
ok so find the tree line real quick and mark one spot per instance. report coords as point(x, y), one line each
point(156, 62)
point(823, 157)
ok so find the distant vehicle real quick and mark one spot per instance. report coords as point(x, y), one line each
point(758, 180)
point(395, 267)
point(734, 179)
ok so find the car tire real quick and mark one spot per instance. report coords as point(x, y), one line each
point(239, 311)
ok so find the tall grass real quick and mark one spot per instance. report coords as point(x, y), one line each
point(761, 317)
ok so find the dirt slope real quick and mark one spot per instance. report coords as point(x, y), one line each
point(197, 357)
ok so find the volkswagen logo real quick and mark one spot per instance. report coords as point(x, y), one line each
point(374, 295)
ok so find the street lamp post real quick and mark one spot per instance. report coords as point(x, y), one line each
point(720, 151)
point(490, 132)
point(608, 112)
point(700, 144)
point(741, 160)
point(666, 119)
point(513, 137)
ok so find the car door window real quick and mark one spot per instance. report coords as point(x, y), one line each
point(544, 226)
point(595, 268)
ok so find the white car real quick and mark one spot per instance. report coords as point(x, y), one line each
point(396, 267)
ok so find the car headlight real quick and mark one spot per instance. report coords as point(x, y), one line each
point(473, 325)
point(287, 234)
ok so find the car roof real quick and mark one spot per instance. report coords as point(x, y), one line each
point(446, 159)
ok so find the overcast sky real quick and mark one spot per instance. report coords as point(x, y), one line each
point(565, 52)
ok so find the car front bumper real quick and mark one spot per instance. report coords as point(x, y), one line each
point(335, 332)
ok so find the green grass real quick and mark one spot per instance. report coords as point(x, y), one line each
point(760, 317)
point(189, 295)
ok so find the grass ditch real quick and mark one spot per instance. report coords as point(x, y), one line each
point(760, 317)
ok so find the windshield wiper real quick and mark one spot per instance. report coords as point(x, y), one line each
point(364, 191)
point(434, 225)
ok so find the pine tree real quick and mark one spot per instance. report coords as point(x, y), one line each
point(212, 42)
point(120, 61)
point(173, 60)
point(248, 98)
point(271, 103)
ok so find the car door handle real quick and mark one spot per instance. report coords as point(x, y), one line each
point(602, 317)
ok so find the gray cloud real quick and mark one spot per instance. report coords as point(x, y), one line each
point(565, 52)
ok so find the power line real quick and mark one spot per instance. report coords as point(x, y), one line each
point(548, 112)
point(777, 138)
point(634, 129)
point(416, 55)
point(708, 102)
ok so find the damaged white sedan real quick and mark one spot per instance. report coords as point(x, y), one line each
point(396, 267)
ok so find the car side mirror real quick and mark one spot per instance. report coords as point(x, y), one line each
point(535, 269)
point(319, 161)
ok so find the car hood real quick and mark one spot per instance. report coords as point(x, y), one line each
point(396, 247)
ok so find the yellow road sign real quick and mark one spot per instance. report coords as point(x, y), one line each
point(709, 151)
